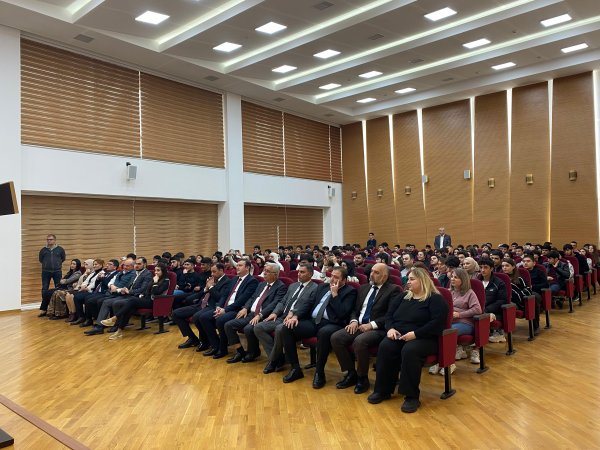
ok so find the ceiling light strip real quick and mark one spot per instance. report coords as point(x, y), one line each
point(462, 56)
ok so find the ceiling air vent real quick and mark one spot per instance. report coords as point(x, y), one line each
point(278, 99)
point(416, 61)
point(448, 79)
point(211, 78)
point(375, 37)
point(323, 5)
point(83, 38)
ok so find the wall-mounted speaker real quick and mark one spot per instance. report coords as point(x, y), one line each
point(131, 172)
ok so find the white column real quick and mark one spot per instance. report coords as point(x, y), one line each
point(231, 212)
point(10, 166)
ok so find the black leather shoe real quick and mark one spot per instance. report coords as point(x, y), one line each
point(269, 368)
point(319, 380)
point(293, 375)
point(376, 397)
point(202, 347)
point(113, 329)
point(362, 385)
point(220, 355)
point(87, 323)
point(239, 356)
point(93, 331)
point(349, 380)
point(410, 405)
point(188, 344)
point(78, 321)
point(250, 357)
point(210, 352)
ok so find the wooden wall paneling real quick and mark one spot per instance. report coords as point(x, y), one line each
point(335, 141)
point(491, 205)
point(410, 212)
point(264, 226)
point(447, 153)
point(356, 217)
point(181, 123)
point(304, 226)
point(382, 210)
point(85, 228)
point(190, 228)
point(574, 210)
point(262, 137)
point(306, 144)
point(530, 204)
point(72, 101)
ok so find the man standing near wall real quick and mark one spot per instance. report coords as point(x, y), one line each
point(51, 257)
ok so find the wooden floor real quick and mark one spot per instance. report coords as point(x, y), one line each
point(142, 392)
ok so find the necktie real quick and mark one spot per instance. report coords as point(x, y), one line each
point(367, 316)
point(204, 300)
point(294, 298)
point(262, 299)
point(233, 291)
point(319, 311)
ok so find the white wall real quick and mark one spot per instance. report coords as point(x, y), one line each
point(10, 166)
point(46, 171)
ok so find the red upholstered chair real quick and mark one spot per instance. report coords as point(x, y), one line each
point(198, 268)
point(508, 322)
point(362, 279)
point(258, 278)
point(594, 279)
point(286, 265)
point(546, 304)
point(436, 282)
point(529, 303)
point(396, 280)
point(317, 280)
point(568, 293)
point(395, 272)
point(482, 326)
point(293, 274)
point(354, 284)
point(359, 270)
point(162, 306)
point(578, 278)
point(287, 281)
point(150, 267)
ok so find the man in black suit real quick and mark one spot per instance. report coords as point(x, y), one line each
point(329, 313)
point(216, 288)
point(243, 288)
point(366, 328)
point(269, 330)
point(442, 240)
point(92, 300)
point(260, 305)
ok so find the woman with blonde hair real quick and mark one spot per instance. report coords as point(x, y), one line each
point(414, 323)
point(471, 266)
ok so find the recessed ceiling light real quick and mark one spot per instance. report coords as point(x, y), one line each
point(152, 17)
point(284, 69)
point(504, 66)
point(440, 14)
point(477, 43)
point(366, 100)
point(227, 47)
point(271, 27)
point(556, 20)
point(326, 54)
point(329, 86)
point(405, 90)
point(371, 74)
point(574, 48)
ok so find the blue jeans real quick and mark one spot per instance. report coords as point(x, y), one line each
point(463, 328)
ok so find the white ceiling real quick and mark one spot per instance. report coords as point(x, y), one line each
point(390, 36)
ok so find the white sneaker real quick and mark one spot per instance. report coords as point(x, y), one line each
point(460, 353)
point(475, 356)
point(497, 336)
point(433, 370)
point(109, 322)
point(452, 369)
point(116, 335)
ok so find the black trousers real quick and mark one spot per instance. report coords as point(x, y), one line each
point(210, 325)
point(306, 329)
point(93, 304)
point(406, 358)
point(130, 305)
point(233, 326)
point(180, 317)
point(360, 342)
point(46, 277)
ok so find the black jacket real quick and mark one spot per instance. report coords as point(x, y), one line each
point(339, 307)
point(219, 291)
point(52, 260)
point(244, 291)
point(188, 281)
point(386, 293)
point(495, 295)
point(426, 318)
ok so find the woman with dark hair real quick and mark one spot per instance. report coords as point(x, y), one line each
point(414, 323)
point(520, 290)
point(159, 286)
point(57, 308)
point(351, 269)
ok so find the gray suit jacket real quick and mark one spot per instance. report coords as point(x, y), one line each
point(307, 295)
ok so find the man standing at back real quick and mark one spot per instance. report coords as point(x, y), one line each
point(51, 257)
point(442, 240)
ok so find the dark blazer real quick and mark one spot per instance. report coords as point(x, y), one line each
point(338, 309)
point(140, 285)
point(274, 296)
point(244, 292)
point(447, 241)
point(219, 291)
point(387, 292)
point(103, 285)
point(306, 296)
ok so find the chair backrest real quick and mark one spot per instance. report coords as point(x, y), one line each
point(354, 284)
point(574, 262)
point(394, 271)
point(479, 290)
point(396, 280)
point(436, 282)
point(524, 273)
point(542, 268)
point(362, 278)
point(198, 268)
point(506, 279)
point(258, 278)
point(287, 281)
point(172, 282)
point(150, 267)
point(448, 297)
point(286, 265)
point(293, 274)
point(359, 270)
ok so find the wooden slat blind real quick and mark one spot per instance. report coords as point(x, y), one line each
point(304, 226)
point(306, 145)
point(75, 102)
point(173, 226)
point(181, 123)
point(85, 228)
point(335, 143)
point(262, 136)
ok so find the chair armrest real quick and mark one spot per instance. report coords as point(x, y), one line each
point(482, 329)
point(529, 309)
point(546, 299)
point(509, 317)
point(570, 288)
point(162, 305)
point(447, 347)
point(579, 282)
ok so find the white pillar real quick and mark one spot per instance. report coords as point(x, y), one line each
point(10, 166)
point(231, 212)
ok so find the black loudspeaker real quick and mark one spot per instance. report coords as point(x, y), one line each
point(8, 199)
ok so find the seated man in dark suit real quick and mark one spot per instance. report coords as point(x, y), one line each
point(269, 329)
point(217, 287)
point(211, 321)
point(261, 304)
point(366, 328)
point(329, 313)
